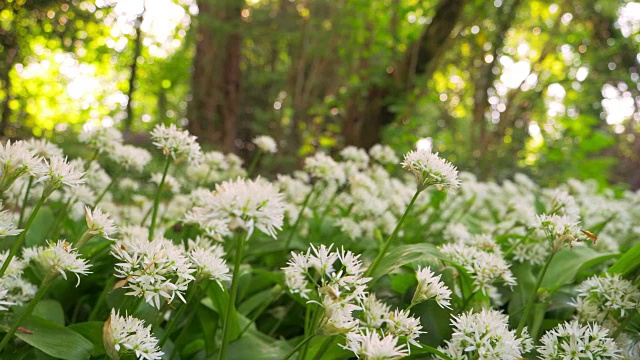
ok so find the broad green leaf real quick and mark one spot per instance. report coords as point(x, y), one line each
point(54, 340)
point(50, 310)
point(568, 262)
point(405, 254)
point(628, 262)
point(256, 346)
point(92, 331)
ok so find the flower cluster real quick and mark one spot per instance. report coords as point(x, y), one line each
point(571, 340)
point(266, 144)
point(430, 286)
point(598, 296)
point(431, 169)
point(127, 334)
point(59, 257)
point(176, 143)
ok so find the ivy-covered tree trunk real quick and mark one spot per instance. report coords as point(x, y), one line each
point(215, 80)
point(369, 112)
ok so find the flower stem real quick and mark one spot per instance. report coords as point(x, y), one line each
point(24, 201)
point(226, 331)
point(300, 345)
point(253, 164)
point(324, 347)
point(44, 287)
point(295, 224)
point(104, 192)
point(22, 236)
point(156, 201)
point(435, 352)
point(83, 240)
point(176, 317)
point(534, 294)
point(387, 244)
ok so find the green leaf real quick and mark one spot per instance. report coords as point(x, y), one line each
point(568, 262)
point(405, 254)
point(50, 310)
point(256, 346)
point(54, 340)
point(628, 262)
point(92, 331)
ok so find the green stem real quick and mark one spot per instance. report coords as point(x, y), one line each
point(253, 164)
point(433, 351)
point(257, 314)
point(534, 294)
point(182, 334)
point(44, 287)
point(58, 221)
point(299, 346)
point(22, 236)
point(83, 240)
point(156, 201)
point(176, 317)
point(24, 201)
point(232, 296)
point(103, 193)
point(295, 224)
point(387, 244)
point(93, 158)
point(324, 347)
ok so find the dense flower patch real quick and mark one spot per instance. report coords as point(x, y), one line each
point(362, 256)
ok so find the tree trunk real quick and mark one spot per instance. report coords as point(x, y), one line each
point(366, 115)
point(215, 81)
point(137, 50)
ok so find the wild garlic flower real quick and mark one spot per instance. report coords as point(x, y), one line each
point(7, 224)
point(430, 286)
point(571, 340)
point(242, 203)
point(128, 334)
point(44, 148)
point(17, 160)
point(561, 229)
point(3, 300)
point(99, 223)
point(383, 154)
point(374, 312)
point(176, 143)
point(20, 291)
point(323, 167)
point(171, 184)
point(431, 169)
point(152, 269)
point(61, 173)
point(208, 260)
point(59, 257)
point(266, 144)
point(401, 324)
point(598, 296)
point(131, 157)
point(102, 138)
point(369, 345)
point(485, 268)
point(355, 155)
point(485, 335)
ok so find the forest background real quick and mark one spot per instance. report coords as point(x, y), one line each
point(551, 89)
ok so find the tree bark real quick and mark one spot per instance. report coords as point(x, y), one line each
point(137, 50)
point(366, 115)
point(213, 110)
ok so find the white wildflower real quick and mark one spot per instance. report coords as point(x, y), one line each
point(44, 148)
point(266, 144)
point(571, 340)
point(324, 168)
point(176, 143)
point(430, 286)
point(383, 154)
point(356, 156)
point(126, 333)
point(171, 184)
point(99, 223)
point(7, 224)
point(375, 312)
point(208, 260)
point(61, 173)
point(430, 169)
point(3, 300)
point(60, 257)
point(369, 345)
point(17, 160)
point(562, 230)
point(131, 157)
point(103, 139)
point(243, 203)
point(401, 324)
point(485, 335)
point(604, 295)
